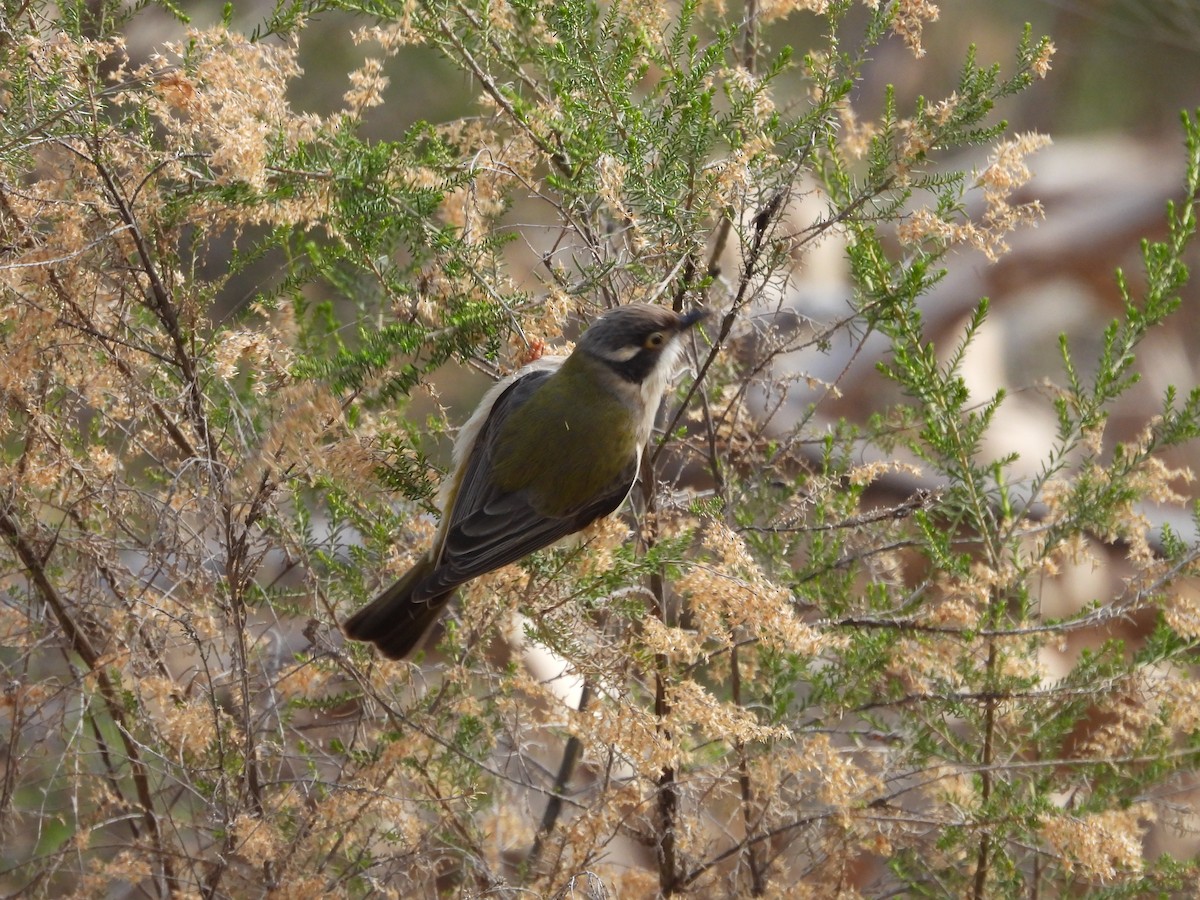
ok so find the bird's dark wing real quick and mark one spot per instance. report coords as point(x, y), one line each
point(489, 528)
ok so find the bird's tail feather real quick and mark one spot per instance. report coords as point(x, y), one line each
point(396, 620)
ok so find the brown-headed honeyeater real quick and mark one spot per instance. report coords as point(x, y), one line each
point(549, 450)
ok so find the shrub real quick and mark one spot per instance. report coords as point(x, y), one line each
point(760, 680)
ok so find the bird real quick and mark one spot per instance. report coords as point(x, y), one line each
point(549, 450)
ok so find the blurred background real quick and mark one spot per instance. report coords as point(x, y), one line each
point(1122, 66)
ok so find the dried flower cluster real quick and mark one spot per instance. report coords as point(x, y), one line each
point(1102, 844)
point(1005, 172)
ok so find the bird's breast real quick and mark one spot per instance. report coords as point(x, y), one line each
point(566, 452)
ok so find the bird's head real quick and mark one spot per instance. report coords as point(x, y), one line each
point(639, 343)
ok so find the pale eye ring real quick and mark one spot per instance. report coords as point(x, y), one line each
point(655, 340)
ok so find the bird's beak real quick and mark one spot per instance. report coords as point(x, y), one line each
point(688, 319)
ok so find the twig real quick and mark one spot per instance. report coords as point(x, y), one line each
point(34, 564)
point(758, 884)
point(571, 754)
point(761, 224)
point(667, 803)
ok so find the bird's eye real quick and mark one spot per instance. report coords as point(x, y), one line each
point(655, 340)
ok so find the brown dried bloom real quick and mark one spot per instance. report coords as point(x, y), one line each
point(1041, 65)
point(736, 593)
point(672, 643)
point(472, 207)
point(1006, 171)
point(730, 178)
point(225, 95)
point(651, 18)
point(611, 173)
point(400, 30)
point(924, 666)
point(603, 538)
point(629, 731)
point(1152, 478)
point(1100, 845)
point(909, 22)
point(187, 726)
point(916, 139)
point(228, 351)
point(1182, 613)
point(126, 867)
point(856, 135)
point(367, 84)
point(1128, 718)
point(770, 10)
point(868, 472)
point(840, 783)
point(942, 111)
point(694, 707)
point(178, 90)
point(257, 839)
point(1181, 695)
